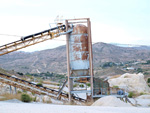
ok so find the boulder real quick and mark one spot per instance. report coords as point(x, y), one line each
point(38, 99)
point(46, 99)
point(131, 83)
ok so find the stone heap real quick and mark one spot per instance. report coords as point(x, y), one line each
point(111, 101)
point(131, 83)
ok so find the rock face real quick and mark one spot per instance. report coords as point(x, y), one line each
point(111, 101)
point(131, 83)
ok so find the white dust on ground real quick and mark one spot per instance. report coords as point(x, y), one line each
point(141, 101)
point(6, 107)
point(16, 106)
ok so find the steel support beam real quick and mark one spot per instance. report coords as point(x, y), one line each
point(68, 62)
point(90, 53)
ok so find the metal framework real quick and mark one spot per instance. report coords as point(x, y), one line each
point(31, 87)
point(32, 40)
point(87, 22)
point(50, 34)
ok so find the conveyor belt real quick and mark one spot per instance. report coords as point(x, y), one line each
point(62, 28)
point(28, 41)
point(29, 86)
point(32, 39)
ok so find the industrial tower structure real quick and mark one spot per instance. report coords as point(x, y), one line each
point(79, 55)
point(79, 51)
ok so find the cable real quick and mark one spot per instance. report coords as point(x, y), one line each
point(132, 45)
point(10, 35)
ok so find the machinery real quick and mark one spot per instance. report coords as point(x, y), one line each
point(32, 39)
point(79, 51)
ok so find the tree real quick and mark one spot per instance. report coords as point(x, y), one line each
point(108, 64)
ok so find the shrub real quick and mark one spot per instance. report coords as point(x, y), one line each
point(26, 98)
point(108, 64)
point(88, 84)
point(115, 86)
point(139, 70)
point(58, 84)
point(20, 73)
point(131, 94)
point(75, 85)
point(148, 80)
point(19, 92)
point(81, 85)
point(146, 73)
point(142, 93)
point(39, 84)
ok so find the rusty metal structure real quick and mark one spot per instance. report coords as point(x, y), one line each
point(34, 88)
point(79, 62)
point(32, 40)
point(79, 54)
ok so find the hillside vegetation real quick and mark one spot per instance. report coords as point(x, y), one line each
point(108, 60)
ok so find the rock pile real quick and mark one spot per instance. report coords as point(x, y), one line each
point(131, 83)
point(111, 101)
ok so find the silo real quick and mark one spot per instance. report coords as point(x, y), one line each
point(79, 56)
point(78, 50)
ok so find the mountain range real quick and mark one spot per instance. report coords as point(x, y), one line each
point(54, 60)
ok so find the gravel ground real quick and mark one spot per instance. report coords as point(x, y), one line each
point(12, 107)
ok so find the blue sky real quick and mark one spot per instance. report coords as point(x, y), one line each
point(113, 21)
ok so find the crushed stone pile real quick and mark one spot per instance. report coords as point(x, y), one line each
point(111, 101)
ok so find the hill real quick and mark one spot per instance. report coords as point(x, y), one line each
point(54, 60)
